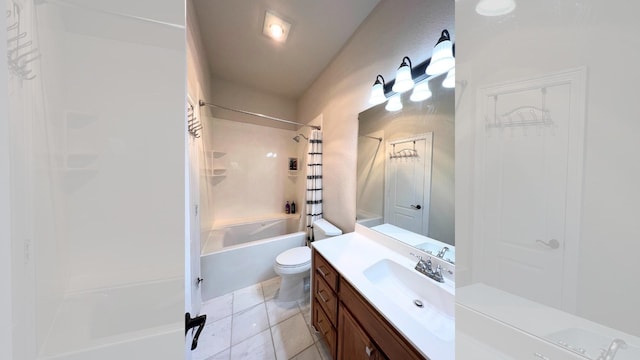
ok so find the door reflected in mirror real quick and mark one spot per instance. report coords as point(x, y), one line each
point(405, 171)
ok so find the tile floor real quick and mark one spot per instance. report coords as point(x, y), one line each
point(251, 324)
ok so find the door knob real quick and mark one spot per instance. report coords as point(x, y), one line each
point(552, 244)
point(417, 207)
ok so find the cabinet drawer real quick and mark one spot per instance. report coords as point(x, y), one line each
point(327, 299)
point(327, 332)
point(322, 269)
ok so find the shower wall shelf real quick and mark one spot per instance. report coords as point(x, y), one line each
point(79, 152)
point(293, 166)
point(212, 166)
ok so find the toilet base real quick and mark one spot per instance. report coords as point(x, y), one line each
point(292, 287)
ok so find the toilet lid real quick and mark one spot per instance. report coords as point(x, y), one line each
point(295, 257)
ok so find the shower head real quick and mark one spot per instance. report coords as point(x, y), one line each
point(297, 137)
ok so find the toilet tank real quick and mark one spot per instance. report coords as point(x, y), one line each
point(323, 229)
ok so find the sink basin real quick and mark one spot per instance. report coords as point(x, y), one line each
point(404, 287)
point(589, 343)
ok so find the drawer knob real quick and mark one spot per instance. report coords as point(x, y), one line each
point(368, 350)
point(322, 297)
point(321, 272)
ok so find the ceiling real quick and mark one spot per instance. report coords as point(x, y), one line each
point(237, 50)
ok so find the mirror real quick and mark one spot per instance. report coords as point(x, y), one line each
point(405, 171)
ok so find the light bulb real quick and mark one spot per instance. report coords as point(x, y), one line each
point(394, 104)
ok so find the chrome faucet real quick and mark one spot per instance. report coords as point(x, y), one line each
point(426, 268)
point(610, 353)
point(442, 252)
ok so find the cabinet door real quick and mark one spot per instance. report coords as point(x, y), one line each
point(353, 342)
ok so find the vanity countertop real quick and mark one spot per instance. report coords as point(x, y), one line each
point(534, 318)
point(351, 254)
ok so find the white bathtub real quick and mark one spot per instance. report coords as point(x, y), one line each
point(144, 321)
point(242, 253)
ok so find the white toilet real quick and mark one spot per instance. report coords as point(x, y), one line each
point(293, 265)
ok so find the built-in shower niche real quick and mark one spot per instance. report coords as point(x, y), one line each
point(214, 166)
point(79, 156)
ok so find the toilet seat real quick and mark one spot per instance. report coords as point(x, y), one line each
point(293, 261)
point(294, 258)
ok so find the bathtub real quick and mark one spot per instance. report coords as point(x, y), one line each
point(242, 252)
point(144, 321)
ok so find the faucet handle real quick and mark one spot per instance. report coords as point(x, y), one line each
point(429, 265)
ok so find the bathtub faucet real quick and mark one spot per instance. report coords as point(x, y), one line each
point(442, 252)
point(610, 353)
point(189, 323)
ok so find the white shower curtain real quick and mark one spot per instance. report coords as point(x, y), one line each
point(314, 181)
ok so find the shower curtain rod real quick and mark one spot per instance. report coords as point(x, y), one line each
point(202, 103)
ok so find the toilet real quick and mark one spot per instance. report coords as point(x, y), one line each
point(293, 265)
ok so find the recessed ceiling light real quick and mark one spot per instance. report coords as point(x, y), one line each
point(275, 27)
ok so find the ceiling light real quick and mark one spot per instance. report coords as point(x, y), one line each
point(442, 58)
point(404, 81)
point(394, 103)
point(421, 92)
point(495, 7)
point(450, 81)
point(275, 27)
point(276, 31)
point(377, 92)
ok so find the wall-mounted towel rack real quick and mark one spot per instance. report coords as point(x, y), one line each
point(404, 153)
point(526, 115)
point(193, 123)
point(20, 50)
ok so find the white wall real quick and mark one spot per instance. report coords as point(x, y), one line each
point(393, 30)
point(541, 39)
point(199, 88)
point(6, 341)
point(119, 219)
point(238, 96)
point(123, 213)
point(255, 183)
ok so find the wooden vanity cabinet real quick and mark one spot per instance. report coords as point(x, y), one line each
point(350, 327)
point(324, 308)
point(354, 343)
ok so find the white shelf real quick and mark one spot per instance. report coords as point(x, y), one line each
point(79, 153)
point(212, 164)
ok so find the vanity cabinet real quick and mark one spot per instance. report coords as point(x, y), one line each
point(352, 328)
point(354, 343)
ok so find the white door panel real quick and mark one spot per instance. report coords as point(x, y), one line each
point(524, 163)
point(408, 183)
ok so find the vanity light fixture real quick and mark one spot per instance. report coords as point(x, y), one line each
point(450, 81)
point(394, 104)
point(442, 57)
point(404, 80)
point(495, 7)
point(275, 27)
point(377, 92)
point(421, 91)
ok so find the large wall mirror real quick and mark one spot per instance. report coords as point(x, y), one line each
point(405, 171)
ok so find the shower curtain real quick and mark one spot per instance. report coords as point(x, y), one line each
point(314, 181)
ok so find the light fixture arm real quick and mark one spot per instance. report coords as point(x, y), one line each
point(378, 80)
point(404, 63)
point(444, 36)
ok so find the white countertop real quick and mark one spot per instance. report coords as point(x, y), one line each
point(351, 254)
